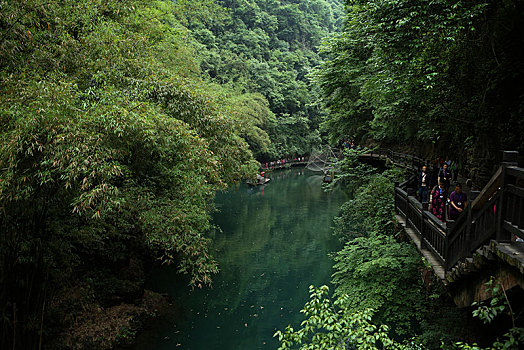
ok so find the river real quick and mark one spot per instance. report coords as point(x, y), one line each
point(274, 242)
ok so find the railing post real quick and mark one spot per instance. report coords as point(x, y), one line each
point(446, 216)
point(469, 234)
point(445, 254)
point(509, 158)
point(501, 234)
point(425, 207)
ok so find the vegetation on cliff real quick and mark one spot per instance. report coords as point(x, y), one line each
point(267, 48)
point(439, 76)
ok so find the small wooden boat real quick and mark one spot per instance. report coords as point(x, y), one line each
point(261, 181)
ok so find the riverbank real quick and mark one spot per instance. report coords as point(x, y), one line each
point(116, 326)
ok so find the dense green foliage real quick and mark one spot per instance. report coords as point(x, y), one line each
point(333, 325)
point(268, 47)
point(119, 120)
point(366, 210)
point(441, 76)
point(373, 272)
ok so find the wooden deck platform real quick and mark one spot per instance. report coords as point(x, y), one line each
point(512, 253)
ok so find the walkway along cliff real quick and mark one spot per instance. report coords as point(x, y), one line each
point(481, 243)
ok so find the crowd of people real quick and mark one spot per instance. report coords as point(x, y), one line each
point(349, 144)
point(436, 187)
point(281, 162)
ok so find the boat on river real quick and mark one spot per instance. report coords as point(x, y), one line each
point(261, 180)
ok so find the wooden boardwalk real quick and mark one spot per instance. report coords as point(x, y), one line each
point(487, 229)
point(283, 165)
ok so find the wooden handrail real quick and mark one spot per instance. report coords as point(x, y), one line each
point(497, 213)
point(515, 171)
point(492, 186)
point(283, 165)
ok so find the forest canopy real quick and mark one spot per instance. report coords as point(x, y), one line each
point(440, 76)
point(268, 47)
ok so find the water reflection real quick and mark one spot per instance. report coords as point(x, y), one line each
point(274, 243)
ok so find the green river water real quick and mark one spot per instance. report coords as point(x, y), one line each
point(274, 243)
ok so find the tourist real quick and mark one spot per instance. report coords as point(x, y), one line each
point(327, 176)
point(448, 162)
point(458, 202)
point(444, 177)
point(262, 178)
point(423, 184)
point(437, 201)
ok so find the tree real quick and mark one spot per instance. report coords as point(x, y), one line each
point(333, 325)
point(112, 149)
point(439, 76)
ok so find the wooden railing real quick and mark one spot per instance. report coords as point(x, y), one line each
point(497, 213)
point(402, 159)
point(431, 231)
point(285, 164)
point(512, 213)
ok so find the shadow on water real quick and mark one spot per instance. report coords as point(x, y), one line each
point(274, 243)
